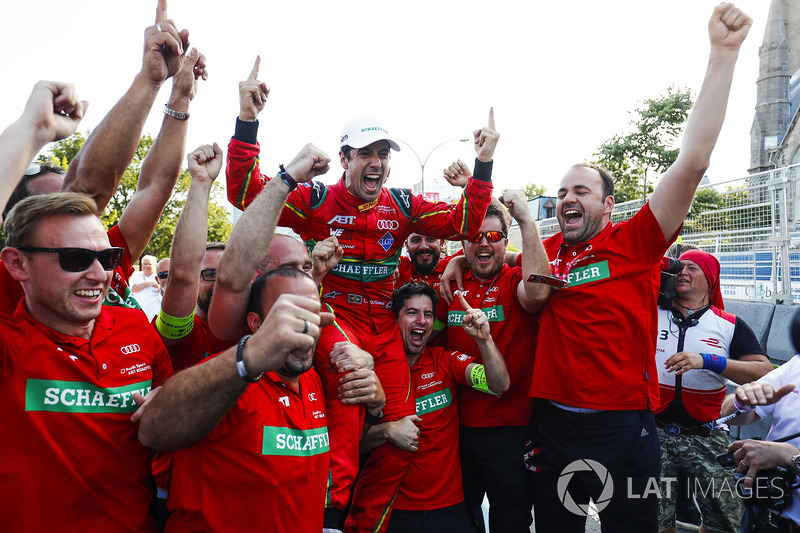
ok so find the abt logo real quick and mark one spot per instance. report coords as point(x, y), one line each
point(342, 219)
point(388, 224)
point(131, 348)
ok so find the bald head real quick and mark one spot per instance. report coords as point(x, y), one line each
point(285, 251)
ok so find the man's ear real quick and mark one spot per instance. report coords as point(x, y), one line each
point(253, 321)
point(608, 205)
point(343, 160)
point(16, 262)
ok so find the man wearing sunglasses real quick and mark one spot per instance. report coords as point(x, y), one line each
point(493, 429)
point(100, 163)
point(72, 374)
point(595, 368)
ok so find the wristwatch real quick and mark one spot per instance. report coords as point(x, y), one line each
point(794, 464)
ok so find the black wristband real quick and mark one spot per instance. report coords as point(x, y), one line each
point(240, 362)
point(287, 179)
point(371, 419)
point(246, 132)
point(483, 171)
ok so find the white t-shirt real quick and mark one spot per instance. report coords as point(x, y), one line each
point(785, 416)
point(149, 298)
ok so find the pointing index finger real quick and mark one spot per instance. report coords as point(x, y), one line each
point(464, 303)
point(491, 118)
point(161, 11)
point(254, 72)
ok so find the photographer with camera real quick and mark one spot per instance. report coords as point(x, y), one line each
point(699, 347)
point(770, 467)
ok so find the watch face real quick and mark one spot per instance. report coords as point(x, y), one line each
point(796, 463)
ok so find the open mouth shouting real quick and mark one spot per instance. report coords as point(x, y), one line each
point(572, 218)
point(372, 182)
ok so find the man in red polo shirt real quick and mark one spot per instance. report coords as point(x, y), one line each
point(494, 429)
point(595, 360)
point(240, 438)
point(72, 372)
point(429, 502)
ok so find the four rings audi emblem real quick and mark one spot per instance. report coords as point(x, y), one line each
point(131, 348)
point(388, 224)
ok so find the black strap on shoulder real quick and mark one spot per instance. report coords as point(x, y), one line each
point(318, 193)
point(403, 199)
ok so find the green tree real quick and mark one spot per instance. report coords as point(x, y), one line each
point(532, 190)
point(219, 224)
point(635, 157)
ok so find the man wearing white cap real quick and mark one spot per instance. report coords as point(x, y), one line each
point(371, 223)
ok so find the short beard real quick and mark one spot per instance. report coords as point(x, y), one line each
point(204, 303)
point(425, 270)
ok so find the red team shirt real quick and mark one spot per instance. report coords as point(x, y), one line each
point(264, 467)
point(514, 330)
point(433, 479)
point(72, 457)
point(589, 357)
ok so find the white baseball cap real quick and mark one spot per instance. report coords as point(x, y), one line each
point(365, 130)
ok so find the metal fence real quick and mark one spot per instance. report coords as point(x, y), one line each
point(751, 225)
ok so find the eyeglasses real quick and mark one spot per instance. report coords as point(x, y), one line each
point(163, 274)
point(491, 236)
point(80, 259)
point(209, 274)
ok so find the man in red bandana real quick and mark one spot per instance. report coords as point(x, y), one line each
point(699, 347)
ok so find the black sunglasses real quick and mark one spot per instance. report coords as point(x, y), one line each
point(209, 274)
point(491, 236)
point(80, 259)
point(163, 274)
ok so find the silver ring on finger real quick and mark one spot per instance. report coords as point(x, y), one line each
point(305, 327)
point(158, 27)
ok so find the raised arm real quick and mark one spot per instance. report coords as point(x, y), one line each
point(249, 242)
point(194, 401)
point(673, 196)
point(476, 325)
point(242, 174)
point(52, 113)
point(189, 242)
point(101, 162)
point(162, 166)
point(531, 296)
point(441, 220)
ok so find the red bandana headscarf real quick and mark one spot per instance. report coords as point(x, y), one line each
point(710, 267)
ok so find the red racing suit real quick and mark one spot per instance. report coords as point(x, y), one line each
point(359, 291)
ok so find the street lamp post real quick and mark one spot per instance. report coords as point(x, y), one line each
point(425, 162)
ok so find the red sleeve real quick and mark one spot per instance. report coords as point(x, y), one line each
point(245, 182)
point(243, 175)
point(454, 222)
point(125, 267)
point(459, 362)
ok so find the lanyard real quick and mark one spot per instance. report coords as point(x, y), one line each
point(576, 257)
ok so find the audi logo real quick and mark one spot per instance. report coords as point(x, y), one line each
point(131, 348)
point(388, 224)
point(428, 376)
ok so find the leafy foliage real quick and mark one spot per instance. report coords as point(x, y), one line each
point(219, 224)
point(633, 158)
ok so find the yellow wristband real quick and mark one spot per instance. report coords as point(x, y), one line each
point(478, 377)
point(174, 328)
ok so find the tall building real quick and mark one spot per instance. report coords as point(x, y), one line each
point(775, 135)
